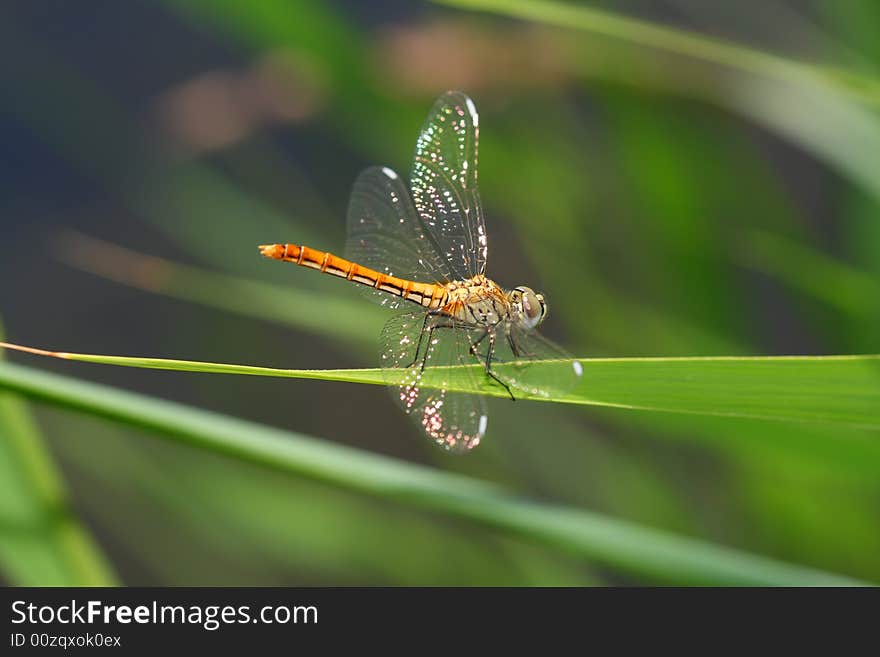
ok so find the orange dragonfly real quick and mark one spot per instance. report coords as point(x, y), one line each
point(426, 246)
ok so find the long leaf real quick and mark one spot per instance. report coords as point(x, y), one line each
point(837, 284)
point(814, 106)
point(335, 318)
point(678, 41)
point(842, 390)
point(624, 546)
point(42, 541)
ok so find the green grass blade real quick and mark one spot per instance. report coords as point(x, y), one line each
point(835, 283)
point(842, 390)
point(624, 546)
point(42, 542)
point(678, 41)
point(814, 106)
point(331, 316)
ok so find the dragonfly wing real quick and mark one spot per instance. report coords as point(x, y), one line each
point(455, 421)
point(385, 233)
point(528, 362)
point(444, 184)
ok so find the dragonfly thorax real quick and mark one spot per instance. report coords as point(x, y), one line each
point(481, 301)
point(478, 301)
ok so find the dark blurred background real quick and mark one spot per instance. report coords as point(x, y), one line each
point(666, 205)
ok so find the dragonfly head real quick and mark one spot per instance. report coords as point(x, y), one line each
point(529, 305)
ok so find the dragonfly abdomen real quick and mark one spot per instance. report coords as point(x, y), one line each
point(427, 295)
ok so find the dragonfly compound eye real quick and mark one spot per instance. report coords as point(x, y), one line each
point(533, 307)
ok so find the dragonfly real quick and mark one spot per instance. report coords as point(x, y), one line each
point(423, 248)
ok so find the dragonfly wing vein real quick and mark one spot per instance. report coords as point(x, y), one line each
point(384, 233)
point(444, 184)
point(412, 342)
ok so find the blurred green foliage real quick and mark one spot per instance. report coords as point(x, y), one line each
point(42, 541)
point(669, 205)
point(617, 544)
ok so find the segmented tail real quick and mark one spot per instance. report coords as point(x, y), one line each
point(429, 295)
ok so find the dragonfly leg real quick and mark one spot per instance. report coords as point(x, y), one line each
point(428, 317)
point(513, 347)
point(476, 344)
point(419, 343)
point(488, 361)
point(517, 351)
point(490, 329)
point(442, 322)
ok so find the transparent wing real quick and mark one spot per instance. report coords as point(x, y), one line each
point(385, 233)
point(455, 421)
point(444, 184)
point(528, 362)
